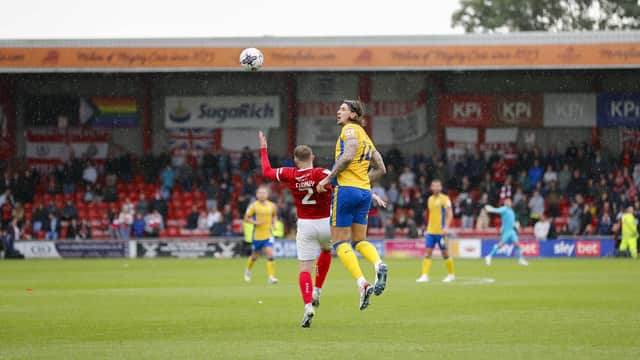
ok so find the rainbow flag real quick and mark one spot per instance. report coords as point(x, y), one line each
point(109, 111)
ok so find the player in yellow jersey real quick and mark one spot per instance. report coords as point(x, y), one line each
point(262, 213)
point(357, 164)
point(440, 215)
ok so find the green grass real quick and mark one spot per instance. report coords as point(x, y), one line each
point(183, 309)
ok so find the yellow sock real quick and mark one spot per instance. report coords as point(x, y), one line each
point(271, 268)
point(349, 260)
point(368, 251)
point(426, 266)
point(449, 263)
point(250, 263)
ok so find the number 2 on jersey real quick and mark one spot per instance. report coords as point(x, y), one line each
point(306, 200)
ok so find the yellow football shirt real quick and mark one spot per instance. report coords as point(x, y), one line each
point(263, 212)
point(438, 206)
point(357, 174)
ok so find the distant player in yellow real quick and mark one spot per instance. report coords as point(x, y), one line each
point(440, 215)
point(357, 164)
point(262, 213)
point(629, 236)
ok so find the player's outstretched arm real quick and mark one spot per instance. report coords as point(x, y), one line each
point(490, 209)
point(267, 171)
point(350, 149)
point(378, 169)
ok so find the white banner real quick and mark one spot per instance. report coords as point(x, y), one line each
point(51, 146)
point(37, 249)
point(469, 248)
point(502, 141)
point(256, 112)
point(460, 139)
point(570, 110)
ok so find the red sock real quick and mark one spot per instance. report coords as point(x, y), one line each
point(322, 267)
point(306, 287)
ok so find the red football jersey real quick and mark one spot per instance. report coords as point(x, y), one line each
point(302, 183)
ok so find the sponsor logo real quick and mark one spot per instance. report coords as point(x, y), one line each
point(42, 150)
point(530, 248)
point(467, 111)
point(624, 108)
point(180, 114)
point(563, 248)
point(515, 111)
point(301, 178)
point(365, 56)
point(568, 110)
point(244, 111)
point(52, 57)
point(569, 55)
point(587, 248)
point(40, 249)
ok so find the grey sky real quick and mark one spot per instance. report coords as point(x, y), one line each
point(47, 19)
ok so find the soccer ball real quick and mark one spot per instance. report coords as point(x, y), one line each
point(251, 59)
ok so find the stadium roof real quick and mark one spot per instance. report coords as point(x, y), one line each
point(530, 50)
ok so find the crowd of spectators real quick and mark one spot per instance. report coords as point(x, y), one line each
point(579, 191)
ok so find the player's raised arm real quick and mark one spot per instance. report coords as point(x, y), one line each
point(491, 209)
point(350, 149)
point(378, 169)
point(267, 171)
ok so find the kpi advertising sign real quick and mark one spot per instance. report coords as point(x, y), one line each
point(618, 110)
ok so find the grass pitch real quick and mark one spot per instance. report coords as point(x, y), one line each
point(184, 309)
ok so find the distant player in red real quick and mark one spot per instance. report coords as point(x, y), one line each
point(313, 239)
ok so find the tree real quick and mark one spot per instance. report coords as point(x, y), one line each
point(546, 15)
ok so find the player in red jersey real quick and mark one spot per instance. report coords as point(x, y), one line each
point(313, 239)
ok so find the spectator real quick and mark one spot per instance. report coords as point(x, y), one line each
point(89, 174)
point(467, 208)
point(247, 161)
point(506, 191)
point(18, 213)
point(564, 176)
point(158, 204)
point(541, 228)
point(535, 173)
point(68, 182)
point(210, 190)
point(7, 197)
point(138, 226)
point(550, 175)
point(586, 218)
point(53, 187)
point(407, 179)
point(536, 206)
point(52, 228)
point(72, 229)
point(523, 181)
point(599, 166)
point(636, 176)
point(577, 184)
point(192, 218)
point(69, 211)
point(39, 217)
point(393, 194)
point(605, 224)
point(186, 177)
point(84, 230)
point(215, 222)
point(168, 177)
point(124, 222)
point(52, 208)
point(202, 221)
point(110, 193)
point(575, 216)
point(553, 199)
point(153, 224)
point(142, 205)
point(521, 209)
point(389, 229)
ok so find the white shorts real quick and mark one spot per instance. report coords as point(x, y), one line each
point(313, 235)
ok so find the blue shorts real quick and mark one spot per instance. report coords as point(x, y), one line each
point(432, 240)
point(350, 205)
point(509, 237)
point(258, 245)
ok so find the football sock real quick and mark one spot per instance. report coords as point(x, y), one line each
point(306, 287)
point(322, 267)
point(349, 259)
point(250, 263)
point(271, 267)
point(518, 253)
point(369, 252)
point(426, 266)
point(449, 262)
point(494, 250)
